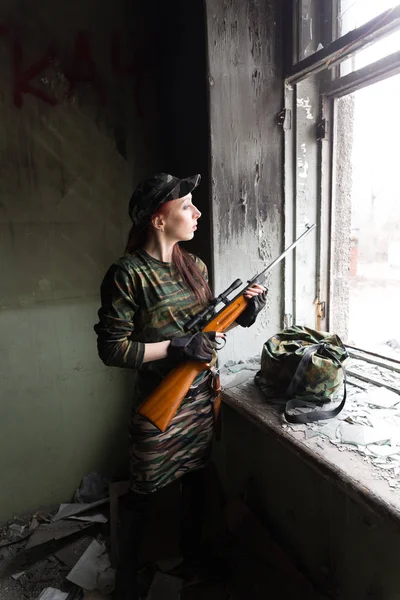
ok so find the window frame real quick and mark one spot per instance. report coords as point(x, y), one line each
point(345, 46)
point(323, 68)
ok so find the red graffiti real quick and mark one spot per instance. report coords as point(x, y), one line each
point(22, 79)
point(138, 69)
point(84, 68)
point(115, 56)
point(81, 70)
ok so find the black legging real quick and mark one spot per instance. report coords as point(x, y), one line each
point(133, 511)
point(193, 511)
point(134, 514)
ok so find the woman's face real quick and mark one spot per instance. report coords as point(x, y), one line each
point(179, 219)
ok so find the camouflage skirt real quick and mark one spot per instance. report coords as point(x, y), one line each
point(158, 458)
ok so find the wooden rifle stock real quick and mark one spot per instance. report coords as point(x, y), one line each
point(161, 405)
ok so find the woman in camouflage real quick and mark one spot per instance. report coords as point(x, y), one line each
point(147, 296)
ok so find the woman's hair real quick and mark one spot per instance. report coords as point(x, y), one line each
point(183, 261)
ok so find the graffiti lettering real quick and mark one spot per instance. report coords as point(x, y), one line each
point(138, 69)
point(115, 56)
point(81, 70)
point(22, 79)
point(84, 68)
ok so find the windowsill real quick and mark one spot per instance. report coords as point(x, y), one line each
point(350, 471)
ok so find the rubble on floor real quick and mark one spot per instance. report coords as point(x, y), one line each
point(242, 561)
point(53, 594)
point(38, 554)
point(370, 422)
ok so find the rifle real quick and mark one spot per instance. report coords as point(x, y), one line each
point(162, 404)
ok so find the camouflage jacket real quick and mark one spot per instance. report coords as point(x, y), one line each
point(142, 300)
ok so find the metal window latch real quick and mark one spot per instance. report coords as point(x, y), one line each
point(285, 118)
point(320, 312)
point(322, 130)
point(320, 309)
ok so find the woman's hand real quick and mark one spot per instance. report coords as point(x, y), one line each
point(257, 299)
point(198, 346)
point(160, 350)
point(255, 290)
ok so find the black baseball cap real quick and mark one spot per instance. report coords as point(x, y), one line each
point(156, 190)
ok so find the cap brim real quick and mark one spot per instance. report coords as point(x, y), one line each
point(184, 187)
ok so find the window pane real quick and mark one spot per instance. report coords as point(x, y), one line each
point(310, 18)
point(366, 262)
point(316, 30)
point(380, 49)
point(354, 13)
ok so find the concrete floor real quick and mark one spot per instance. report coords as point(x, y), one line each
point(247, 563)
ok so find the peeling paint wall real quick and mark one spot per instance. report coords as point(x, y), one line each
point(66, 173)
point(246, 96)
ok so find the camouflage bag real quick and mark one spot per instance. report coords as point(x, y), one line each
point(303, 368)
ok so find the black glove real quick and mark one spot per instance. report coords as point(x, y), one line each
point(249, 315)
point(193, 346)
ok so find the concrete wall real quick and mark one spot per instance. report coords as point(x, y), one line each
point(70, 153)
point(246, 95)
point(347, 550)
point(66, 173)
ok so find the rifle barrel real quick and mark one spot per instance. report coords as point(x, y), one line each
point(284, 253)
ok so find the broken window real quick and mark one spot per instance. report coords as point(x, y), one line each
point(341, 161)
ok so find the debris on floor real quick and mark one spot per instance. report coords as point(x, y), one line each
point(54, 531)
point(93, 570)
point(72, 551)
point(94, 487)
point(76, 510)
point(240, 556)
point(94, 595)
point(165, 587)
point(53, 594)
point(38, 554)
